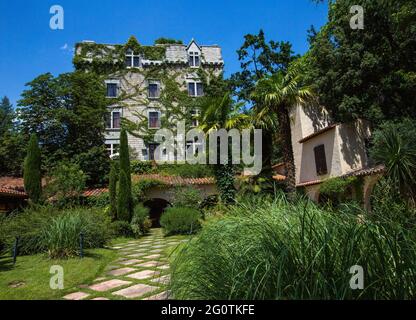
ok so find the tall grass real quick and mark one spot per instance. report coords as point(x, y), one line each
point(277, 250)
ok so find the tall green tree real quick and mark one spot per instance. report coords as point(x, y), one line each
point(32, 171)
point(12, 142)
point(67, 112)
point(277, 94)
point(124, 198)
point(259, 58)
point(125, 170)
point(366, 73)
point(221, 112)
point(113, 191)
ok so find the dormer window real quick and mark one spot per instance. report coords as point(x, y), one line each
point(132, 59)
point(194, 59)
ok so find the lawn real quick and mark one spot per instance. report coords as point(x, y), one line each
point(29, 278)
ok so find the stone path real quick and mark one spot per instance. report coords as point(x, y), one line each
point(141, 271)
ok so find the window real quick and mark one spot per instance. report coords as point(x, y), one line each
point(194, 59)
point(113, 120)
point(195, 89)
point(154, 120)
point(193, 146)
point(320, 160)
point(154, 89)
point(112, 149)
point(195, 118)
point(132, 59)
point(112, 89)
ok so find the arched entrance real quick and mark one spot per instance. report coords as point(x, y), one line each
point(157, 206)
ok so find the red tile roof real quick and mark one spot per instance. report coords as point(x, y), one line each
point(175, 181)
point(95, 192)
point(12, 193)
point(279, 177)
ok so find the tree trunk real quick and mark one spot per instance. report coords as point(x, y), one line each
point(286, 139)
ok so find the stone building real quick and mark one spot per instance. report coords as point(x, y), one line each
point(137, 79)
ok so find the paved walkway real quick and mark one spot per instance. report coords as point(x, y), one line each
point(141, 271)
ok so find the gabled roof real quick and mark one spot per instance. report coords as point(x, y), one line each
point(317, 133)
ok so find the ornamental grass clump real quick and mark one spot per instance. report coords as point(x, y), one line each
point(281, 250)
point(62, 236)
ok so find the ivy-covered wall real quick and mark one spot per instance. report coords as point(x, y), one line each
point(174, 102)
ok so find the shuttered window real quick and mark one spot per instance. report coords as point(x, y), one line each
point(320, 160)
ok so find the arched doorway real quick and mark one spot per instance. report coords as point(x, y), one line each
point(157, 207)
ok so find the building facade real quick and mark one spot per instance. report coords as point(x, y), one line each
point(151, 87)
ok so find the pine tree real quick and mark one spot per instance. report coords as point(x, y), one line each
point(123, 199)
point(125, 166)
point(32, 175)
point(113, 192)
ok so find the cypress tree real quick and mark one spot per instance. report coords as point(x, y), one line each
point(125, 167)
point(123, 199)
point(113, 191)
point(31, 174)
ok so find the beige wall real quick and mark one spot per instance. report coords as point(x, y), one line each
point(344, 145)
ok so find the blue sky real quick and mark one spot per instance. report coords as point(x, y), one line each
point(28, 47)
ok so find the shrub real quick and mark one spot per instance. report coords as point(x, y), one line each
point(141, 167)
point(122, 229)
point(186, 170)
point(277, 250)
point(61, 237)
point(67, 183)
point(187, 197)
point(113, 191)
point(140, 223)
point(178, 220)
point(100, 201)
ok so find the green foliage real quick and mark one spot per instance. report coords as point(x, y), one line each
point(140, 223)
point(187, 197)
point(394, 146)
point(168, 41)
point(100, 201)
point(32, 175)
point(122, 229)
point(126, 169)
point(283, 251)
point(113, 192)
point(140, 187)
point(367, 73)
point(13, 151)
point(124, 198)
point(67, 113)
point(6, 116)
point(61, 236)
point(336, 186)
point(67, 183)
point(185, 170)
point(45, 228)
point(141, 167)
point(178, 220)
point(224, 176)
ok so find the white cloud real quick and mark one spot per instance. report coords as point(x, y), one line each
point(64, 47)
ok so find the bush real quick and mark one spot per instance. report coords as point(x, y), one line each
point(41, 229)
point(140, 223)
point(277, 250)
point(67, 183)
point(187, 197)
point(61, 237)
point(122, 229)
point(100, 201)
point(178, 220)
point(186, 170)
point(141, 167)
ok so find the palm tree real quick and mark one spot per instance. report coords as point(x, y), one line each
point(223, 113)
point(276, 94)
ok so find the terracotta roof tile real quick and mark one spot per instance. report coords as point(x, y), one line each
point(175, 181)
point(12, 192)
point(95, 192)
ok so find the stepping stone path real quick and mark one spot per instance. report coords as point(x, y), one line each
point(140, 272)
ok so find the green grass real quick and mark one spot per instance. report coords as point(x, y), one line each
point(33, 272)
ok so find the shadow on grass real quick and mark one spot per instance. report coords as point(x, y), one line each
point(6, 263)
